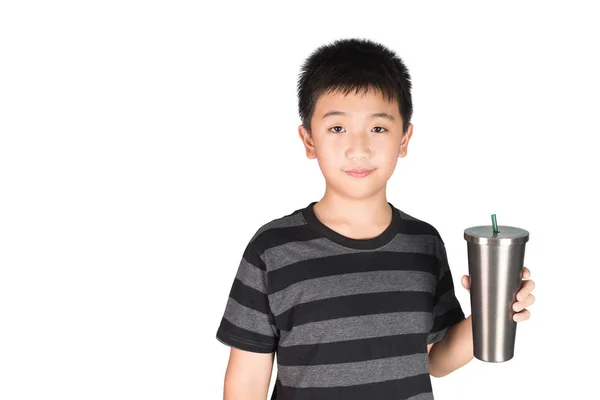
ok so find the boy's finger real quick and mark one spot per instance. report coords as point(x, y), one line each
point(527, 288)
point(526, 273)
point(520, 305)
point(522, 316)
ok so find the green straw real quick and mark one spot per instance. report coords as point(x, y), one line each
point(494, 223)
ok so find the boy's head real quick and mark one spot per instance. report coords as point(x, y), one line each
point(355, 105)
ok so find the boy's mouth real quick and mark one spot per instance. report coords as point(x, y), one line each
point(358, 173)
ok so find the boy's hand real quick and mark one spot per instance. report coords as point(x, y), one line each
point(524, 296)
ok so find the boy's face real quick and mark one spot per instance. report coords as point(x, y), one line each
point(345, 144)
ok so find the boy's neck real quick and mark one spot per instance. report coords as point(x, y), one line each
point(354, 217)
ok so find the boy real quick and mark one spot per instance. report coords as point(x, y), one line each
point(354, 295)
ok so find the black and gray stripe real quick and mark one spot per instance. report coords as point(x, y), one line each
point(348, 318)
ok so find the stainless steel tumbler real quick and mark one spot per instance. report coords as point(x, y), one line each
point(495, 266)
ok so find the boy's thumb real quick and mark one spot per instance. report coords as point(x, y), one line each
point(466, 282)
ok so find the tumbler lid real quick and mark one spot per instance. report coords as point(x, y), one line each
point(506, 235)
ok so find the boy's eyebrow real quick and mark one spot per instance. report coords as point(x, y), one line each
point(382, 114)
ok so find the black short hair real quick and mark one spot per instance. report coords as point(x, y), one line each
point(354, 64)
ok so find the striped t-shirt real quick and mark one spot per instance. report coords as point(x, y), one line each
point(347, 318)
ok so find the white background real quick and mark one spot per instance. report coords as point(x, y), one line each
point(143, 144)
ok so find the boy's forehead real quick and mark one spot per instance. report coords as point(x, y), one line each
point(355, 103)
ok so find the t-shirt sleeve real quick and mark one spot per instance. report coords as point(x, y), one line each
point(446, 308)
point(248, 323)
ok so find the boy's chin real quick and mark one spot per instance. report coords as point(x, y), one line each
point(358, 191)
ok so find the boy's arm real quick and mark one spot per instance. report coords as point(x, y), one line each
point(248, 375)
point(453, 351)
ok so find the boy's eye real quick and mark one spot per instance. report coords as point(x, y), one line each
point(380, 127)
point(335, 128)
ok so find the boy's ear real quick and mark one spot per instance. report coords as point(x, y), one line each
point(307, 140)
point(405, 140)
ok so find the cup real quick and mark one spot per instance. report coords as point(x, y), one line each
point(495, 259)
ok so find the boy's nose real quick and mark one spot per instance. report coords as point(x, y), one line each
point(358, 147)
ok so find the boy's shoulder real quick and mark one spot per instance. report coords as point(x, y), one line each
point(290, 227)
point(279, 225)
point(417, 226)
